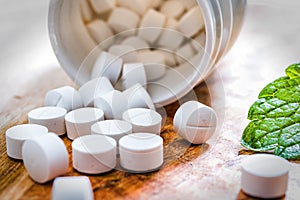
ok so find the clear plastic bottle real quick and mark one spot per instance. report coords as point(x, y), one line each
point(72, 45)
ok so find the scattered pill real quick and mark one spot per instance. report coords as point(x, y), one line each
point(136, 43)
point(138, 6)
point(113, 104)
point(127, 53)
point(65, 97)
point(154, 64)
point(195, 122)
point(17, 135)
point(94, 88)
point(141, 152)
point(170, 39)
point(72, 188)
point(151, 25)
point(133, 73)
point(264, 176)
point(107, 65)
point(184, 53)
point(79, 122)
point(191, 22)
point(94, 154)
point(86, 11)
point(45, 157)
point(172, 8)
point(51, 117)
point(143, 120)
point(100, 32)
point(123, 19)
point(112, 128)
point(103, 6)
point(138, 97)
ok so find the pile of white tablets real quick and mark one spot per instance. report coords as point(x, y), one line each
point(106, 125)
point(147, 35)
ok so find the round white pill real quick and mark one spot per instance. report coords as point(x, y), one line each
point(133, 73)
point(154, 64)
point(195, 122)
point(94, 154)
point(184, 53)
point(199, 41)
point(138, 6)
point(103, 6)
point(172, 8)
point(151, 25)
point(86, 11)
point(188, 4)
point(72, 187)
point(112, 128)
point(264, 176)
point(170, 39)
point(136, 43)
point(113, 104)
point(45, 157)
point(155, 3)
point(143, 120)
point(79, 122)
point(191, 22)
point(141, 152)
point(51, 117)
point(94, 88)
point(138, 97)
point(107, 65)
point(17, 135)
point(123, 19)
point(65, 97)
point(127, 53)
point(100, 31)
point(168, 56)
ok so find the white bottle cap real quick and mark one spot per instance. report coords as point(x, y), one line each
point(51, 117)
point(72, 187)
point(94, 154)
point(265, 176)
point(143, 120)
point(141, 152)
point(45, 157)
point(79, 122)
point(17, 135)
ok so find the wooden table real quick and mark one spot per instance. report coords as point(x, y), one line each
point(269, 42)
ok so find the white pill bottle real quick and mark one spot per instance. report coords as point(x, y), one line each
point(76, 51)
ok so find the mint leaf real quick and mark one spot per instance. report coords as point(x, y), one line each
point(275, 117)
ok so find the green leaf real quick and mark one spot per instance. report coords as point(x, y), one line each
point(275, 117)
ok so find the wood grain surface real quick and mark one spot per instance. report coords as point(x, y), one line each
point(269, 42)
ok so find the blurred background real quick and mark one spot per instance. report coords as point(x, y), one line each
point(269, 40)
